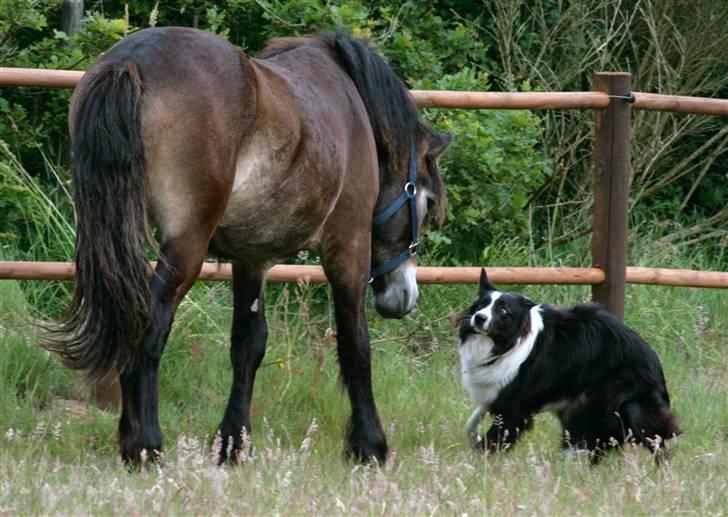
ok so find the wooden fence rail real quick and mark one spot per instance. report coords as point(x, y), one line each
point(43, 78)
point(18, 270)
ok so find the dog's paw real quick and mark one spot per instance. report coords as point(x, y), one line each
point(478, 445)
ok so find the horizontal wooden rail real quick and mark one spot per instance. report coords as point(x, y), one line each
point(510, 100)
point(680, 104)
point(39, 77)
point(677, 277)
point(17, 270)
point(44, 78)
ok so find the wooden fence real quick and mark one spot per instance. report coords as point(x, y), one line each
point(613, 100)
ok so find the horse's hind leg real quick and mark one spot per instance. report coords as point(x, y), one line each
point(139, 424)
point(247, 347)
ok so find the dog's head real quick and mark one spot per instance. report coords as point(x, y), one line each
point(502, 316)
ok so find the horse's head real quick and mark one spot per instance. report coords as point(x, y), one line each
point(406, 203)
point(409, 179)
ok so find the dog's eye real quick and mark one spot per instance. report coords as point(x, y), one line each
point(502, 311)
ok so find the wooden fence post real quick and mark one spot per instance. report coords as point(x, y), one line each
point(611, 190)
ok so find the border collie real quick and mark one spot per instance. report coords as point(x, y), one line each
point(601, 379)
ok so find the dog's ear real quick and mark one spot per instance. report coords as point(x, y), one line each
point(485, 284)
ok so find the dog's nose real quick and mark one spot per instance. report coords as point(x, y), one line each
point(479, 320)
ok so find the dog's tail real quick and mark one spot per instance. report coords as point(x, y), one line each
point(651, 422)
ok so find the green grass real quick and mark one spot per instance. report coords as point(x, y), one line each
point(60, 457)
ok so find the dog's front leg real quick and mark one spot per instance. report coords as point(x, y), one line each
point(505, 432)
point(471, 427)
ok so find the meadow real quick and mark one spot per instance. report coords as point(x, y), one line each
point(58, 453)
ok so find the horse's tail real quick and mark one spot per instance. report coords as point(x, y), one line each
point(110, 311)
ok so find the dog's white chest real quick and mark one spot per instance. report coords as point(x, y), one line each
point(483, 381)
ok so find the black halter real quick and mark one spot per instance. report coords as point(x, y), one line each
point(408, 194)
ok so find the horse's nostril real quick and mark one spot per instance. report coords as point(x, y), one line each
point(405, 299)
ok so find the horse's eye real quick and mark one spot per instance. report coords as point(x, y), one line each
point(430, 203)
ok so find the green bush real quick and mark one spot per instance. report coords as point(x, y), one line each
point(491, 169)
point(509, 174)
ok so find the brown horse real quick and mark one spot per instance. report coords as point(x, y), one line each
point(315, 144)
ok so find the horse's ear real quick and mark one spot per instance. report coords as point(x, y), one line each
point(437, 143)
point(485, 284)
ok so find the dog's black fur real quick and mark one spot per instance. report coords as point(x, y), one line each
point(602, 380)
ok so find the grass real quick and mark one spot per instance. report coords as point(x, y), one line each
point(59, 454)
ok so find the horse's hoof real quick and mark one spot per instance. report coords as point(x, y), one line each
point(368, 452)
point(231, 449)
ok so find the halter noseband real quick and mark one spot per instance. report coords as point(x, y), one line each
point(409, 193)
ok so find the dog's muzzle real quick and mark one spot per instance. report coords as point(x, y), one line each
point(479, 323)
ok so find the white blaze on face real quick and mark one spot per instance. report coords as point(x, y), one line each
point(423, 195)
point(486, 312)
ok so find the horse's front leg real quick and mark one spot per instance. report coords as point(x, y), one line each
point(140, 437)
point(247, 348)
point(365, 440)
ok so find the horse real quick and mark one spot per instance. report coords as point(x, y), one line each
point(183, 145)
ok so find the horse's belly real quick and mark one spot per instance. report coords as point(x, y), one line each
point(259, 233)
point(275, 208)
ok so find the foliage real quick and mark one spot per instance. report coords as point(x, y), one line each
point(670, 47)
point(490, 171)
point(36, 119)
point(510, 174)
point(427, 49)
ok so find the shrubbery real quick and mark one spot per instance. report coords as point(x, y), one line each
point(505, 170)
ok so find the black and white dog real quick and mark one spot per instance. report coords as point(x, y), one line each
point(601, 379)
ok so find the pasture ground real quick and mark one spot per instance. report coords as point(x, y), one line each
point(58, 455)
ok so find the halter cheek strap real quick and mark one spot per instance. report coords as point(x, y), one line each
point(409, 193)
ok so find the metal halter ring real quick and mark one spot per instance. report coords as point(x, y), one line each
point(411, 189)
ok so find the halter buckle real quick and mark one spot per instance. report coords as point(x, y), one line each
point(410, 189)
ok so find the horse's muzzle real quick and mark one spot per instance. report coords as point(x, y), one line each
point(399, 295)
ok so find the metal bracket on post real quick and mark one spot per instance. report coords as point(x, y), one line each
point(611, 190)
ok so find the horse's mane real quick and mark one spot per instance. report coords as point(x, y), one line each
point(391, 109)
